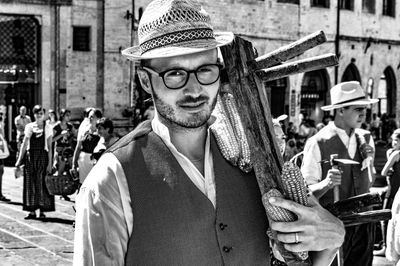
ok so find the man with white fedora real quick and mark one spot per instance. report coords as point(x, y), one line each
point(163, 194)
point(344, 137)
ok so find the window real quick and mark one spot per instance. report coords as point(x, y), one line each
point(347, 4)
point(81, 38)
point(368, 6)
point(289, 1)
point(320, 3)
point(388, 8)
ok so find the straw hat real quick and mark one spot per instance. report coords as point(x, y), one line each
point(175, 27)
point(347, 94)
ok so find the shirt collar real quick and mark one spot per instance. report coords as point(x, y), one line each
point(332, 125)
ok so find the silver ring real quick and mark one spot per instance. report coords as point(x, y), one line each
point(296, 238)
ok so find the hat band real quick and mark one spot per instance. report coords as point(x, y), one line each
point(177, 37)
point(352, 100)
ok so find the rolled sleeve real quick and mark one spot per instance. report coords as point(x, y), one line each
point(311, 167)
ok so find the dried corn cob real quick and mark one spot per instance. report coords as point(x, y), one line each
point(276, 213)
point(293, 183)
point(224, 134)
point(229, 104)
point(279, 214)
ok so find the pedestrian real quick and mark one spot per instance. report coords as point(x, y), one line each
point(344, 137)
point(280, 136)
point(85, 146)
point(393, 233)
point(4, 153)
point(151, 200)
point(376, 126)
point(85, 124)
point(392, 172)
point(52, 120)
point(63, 136)
point(105, 129)
point(20, 122)
point(36, 152)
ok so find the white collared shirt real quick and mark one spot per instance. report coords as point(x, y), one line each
point(104, 201)
point(311, 168)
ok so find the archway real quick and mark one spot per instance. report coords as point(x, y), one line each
point(314, 89)
point(19, 66)
point(387, 92)
point(278, 95)
point(351, 73)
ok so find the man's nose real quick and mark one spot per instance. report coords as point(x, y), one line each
point(193, 86)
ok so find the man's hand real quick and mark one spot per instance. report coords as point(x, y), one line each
point(333, 178)
point(315, 230)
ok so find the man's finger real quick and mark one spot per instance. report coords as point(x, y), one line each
point(286, 227)
point(292, 206)
point(300, 247)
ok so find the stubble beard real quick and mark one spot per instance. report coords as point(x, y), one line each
point(194, 121)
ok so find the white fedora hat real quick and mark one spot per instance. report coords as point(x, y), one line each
point(175, 27)
point(347, 94)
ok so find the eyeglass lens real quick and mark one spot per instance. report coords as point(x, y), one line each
point(177, 78)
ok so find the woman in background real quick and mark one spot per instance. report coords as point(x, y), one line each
point(105, 129)
point(36, 151)
point(392, 172)
point(52, 120)
point(85, 146)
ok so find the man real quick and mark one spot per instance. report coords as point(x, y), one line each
point(20, 122)
point(163, 194)
point(344, 137)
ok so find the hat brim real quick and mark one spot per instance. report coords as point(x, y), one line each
point(183, 48)
point(358, 102)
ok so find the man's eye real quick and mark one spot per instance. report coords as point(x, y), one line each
point(175, 73)
point(206, 69)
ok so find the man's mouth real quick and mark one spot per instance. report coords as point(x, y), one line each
point(192, 105)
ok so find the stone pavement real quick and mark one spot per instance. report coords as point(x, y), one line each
point(33, 242)
point(43, 242)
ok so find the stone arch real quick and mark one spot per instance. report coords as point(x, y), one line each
point(351, 73)
point(278, 96)
point(314, 91)
point(387, 92)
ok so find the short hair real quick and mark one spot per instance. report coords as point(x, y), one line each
point(52, 111)
point(106, 123)
point(37, 108)
point(396, 134)
point(97, 112)
point(87, 111)
point(64, 112)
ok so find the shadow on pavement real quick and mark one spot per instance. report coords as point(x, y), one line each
point(14, 203)
point(56, 220)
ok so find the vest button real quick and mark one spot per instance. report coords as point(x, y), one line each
point(222, 226)
point(226, 249)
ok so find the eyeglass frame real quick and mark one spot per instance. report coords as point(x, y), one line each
point(162, 74)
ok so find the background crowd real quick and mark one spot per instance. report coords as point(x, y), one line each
point(50, 143)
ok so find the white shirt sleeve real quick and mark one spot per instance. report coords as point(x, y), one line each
point(104, 216)
point(311, 166)
point(28, 130)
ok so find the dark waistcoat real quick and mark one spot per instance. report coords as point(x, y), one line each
point(354, 181)
point(174, 223)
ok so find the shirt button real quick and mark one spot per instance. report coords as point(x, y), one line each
point(226, 249)
point(222, 226)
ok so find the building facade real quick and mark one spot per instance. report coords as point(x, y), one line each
point(66, 53)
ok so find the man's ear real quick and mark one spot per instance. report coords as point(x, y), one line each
point(144, 80)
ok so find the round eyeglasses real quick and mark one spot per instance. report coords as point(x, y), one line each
point(177, 78)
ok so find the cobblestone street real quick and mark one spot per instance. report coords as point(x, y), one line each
point(33, 242)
